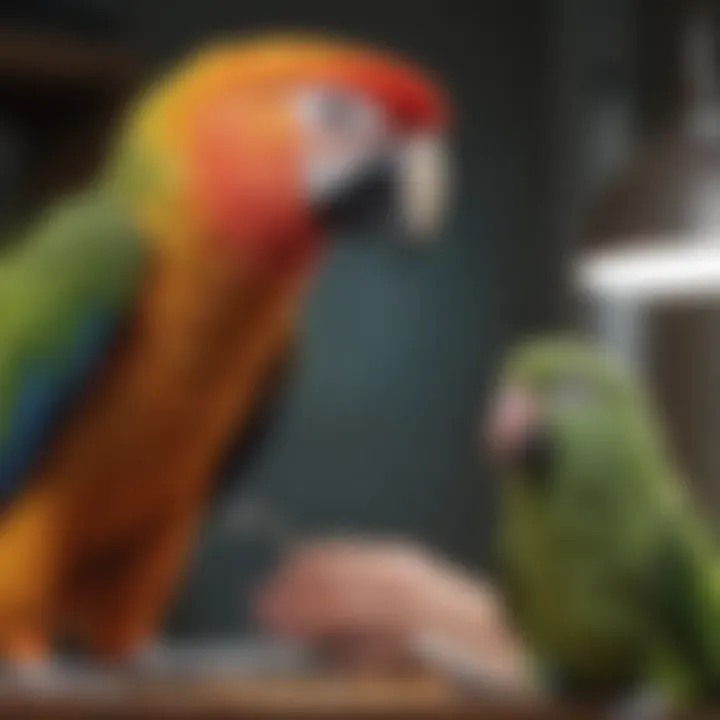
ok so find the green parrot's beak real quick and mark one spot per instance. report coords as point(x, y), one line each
point(516, 436)
point(512, 415)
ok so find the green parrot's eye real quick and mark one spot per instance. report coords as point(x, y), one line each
point(569, 394)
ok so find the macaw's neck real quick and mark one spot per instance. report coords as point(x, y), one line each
point(202, 307)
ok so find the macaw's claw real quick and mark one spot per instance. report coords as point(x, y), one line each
point(53, 678)
point(245, 658)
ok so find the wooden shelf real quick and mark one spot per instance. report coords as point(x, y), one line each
point(47, 58)
point(64, 93)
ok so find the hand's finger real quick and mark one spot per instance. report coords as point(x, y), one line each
point(330, 594)
point(321, 568)
point(313, 611)
point(371, 652)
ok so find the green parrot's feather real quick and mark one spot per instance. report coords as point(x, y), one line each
point(63, 289)
point(685, 602)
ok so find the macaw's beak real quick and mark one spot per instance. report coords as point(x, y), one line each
point(405, 188)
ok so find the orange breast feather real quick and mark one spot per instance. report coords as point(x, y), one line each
point(181, 382)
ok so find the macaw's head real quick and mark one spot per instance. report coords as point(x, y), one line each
point(266, 147)
point(566, 413)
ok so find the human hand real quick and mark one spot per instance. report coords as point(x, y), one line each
point(369, 602)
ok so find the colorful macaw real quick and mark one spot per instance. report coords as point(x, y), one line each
point(609, 568)
point(143, 320)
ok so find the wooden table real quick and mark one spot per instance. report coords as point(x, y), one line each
point(416, 698)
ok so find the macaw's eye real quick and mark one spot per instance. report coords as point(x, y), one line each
point(338, 111)
point(344, 147)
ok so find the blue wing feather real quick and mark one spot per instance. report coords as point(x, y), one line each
point(45, 389)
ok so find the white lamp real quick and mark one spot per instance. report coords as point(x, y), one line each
point(622, 285)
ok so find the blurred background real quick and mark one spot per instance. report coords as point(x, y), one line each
point(583, 125)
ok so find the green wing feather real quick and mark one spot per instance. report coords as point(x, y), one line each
point(64, 287)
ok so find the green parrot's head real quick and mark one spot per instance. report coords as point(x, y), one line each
point(564, 409)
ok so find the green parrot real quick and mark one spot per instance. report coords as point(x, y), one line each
point(609, 571)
